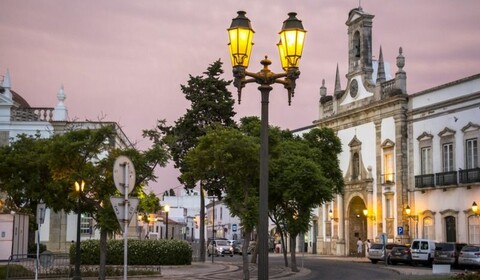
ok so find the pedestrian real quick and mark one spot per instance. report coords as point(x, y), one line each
point(359, 247)
point(367, 245)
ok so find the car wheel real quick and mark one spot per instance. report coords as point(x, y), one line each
point(374, 261)
point(393, 262)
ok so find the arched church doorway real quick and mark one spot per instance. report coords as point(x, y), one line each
point(357, 226)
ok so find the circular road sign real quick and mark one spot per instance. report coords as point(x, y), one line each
point(121, 165)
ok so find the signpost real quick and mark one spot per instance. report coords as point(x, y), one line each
point(124, 178)
point(40, 219)
point(400, 230)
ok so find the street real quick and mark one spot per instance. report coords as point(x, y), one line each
point(322, 267)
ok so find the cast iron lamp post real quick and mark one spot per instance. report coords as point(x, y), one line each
point(290, 48)
point(79, 189)
point(408, 211)
point(166, 208)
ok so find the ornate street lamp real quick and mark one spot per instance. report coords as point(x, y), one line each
point(290, 47)
point(166, 208)
point(79, 189)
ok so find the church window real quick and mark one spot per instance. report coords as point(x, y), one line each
point(388, 165)
point(471, 160)
point(426, 160)
point(356, 44)
point(355, 166)
point(428, 228)
point(447, 157)
point(474, 229)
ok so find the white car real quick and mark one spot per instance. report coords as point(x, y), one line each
point(423, 251)
point(220, 248)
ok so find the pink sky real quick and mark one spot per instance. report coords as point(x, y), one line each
point(124, 61)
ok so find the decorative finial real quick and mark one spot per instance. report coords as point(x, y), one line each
point(6, 84)
point(6, 80)
point(61, 95)
point(400, 59)
point(323, 89)
point(381, 68)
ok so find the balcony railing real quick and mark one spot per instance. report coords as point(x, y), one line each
point(469, 175)
point(446, 178)
point(32, 114)
point(465, 176)
point(424, 181)
point(388, 178)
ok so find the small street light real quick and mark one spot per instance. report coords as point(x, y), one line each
point(79, 189)
point(290, 48)
point(408, 211)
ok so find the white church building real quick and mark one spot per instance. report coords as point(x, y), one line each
point(410, 161)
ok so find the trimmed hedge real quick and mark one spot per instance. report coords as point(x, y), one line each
point(140, 252)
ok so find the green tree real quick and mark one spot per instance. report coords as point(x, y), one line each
point(86, 154)
point(211, 103)
point(231, 157)
point(299, 181)
point(24, 173)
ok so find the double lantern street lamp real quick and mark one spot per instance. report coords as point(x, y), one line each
point(166, 208)
point(79, 189)
point(290, 48)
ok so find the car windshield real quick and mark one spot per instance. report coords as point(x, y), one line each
point(376, 246)
point(471, 249)
point(221, 243)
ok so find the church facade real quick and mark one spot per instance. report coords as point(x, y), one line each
point(410, 160)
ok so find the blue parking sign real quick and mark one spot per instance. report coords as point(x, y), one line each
point(399, 230)
point(234, 227)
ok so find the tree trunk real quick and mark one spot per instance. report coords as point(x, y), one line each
point(255, 251)
point(293, 259)
point(284, 247)
point(103, 255)
point(246, 244)
point(202, 225)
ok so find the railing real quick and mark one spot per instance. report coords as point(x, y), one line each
point(465, 176)
point(50, 265)
point(388, 178)
point(469, 175)
point(32, 114)
point(388, 86)
point(446, 178)
point(424, 181)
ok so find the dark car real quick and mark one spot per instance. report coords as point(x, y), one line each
point(376, 251)
point(447, 253)
point(400, 254)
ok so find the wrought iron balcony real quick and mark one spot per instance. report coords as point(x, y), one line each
point(424, 181)
point(388, 179)
point(446, 178)
point(469, 175)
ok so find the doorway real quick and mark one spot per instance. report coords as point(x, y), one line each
point(357, 225)
point(450, 229)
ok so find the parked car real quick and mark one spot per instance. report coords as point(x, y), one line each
point(423, 251)
point(469, 256)
point(400, 254)
point(376, 251)
point(447, 253)
point(237, 246)
point(219, 248)
point(251, 246)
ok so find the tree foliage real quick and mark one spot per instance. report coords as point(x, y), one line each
point(303, 175)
